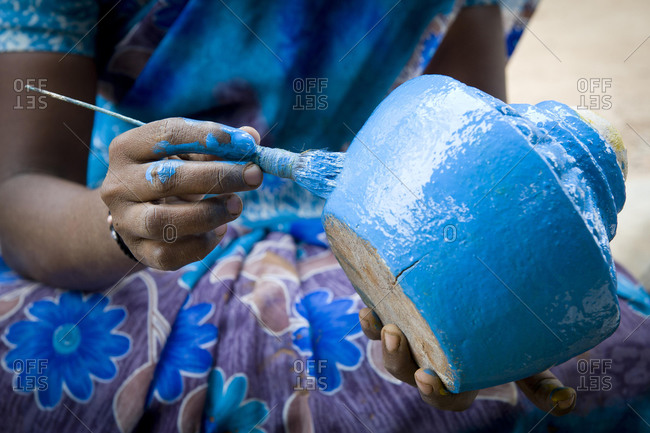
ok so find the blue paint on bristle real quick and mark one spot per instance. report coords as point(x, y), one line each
point(317, 170)
point(314, 170)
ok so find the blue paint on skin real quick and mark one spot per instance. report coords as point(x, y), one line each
point(165, 148)
point(238, 148)
point(524, 281)
point(241, 147)
point(239, 144)
point(162, 170)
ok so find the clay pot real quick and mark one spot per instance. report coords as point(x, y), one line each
point(481, 229)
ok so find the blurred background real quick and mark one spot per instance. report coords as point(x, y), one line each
point(596, 54)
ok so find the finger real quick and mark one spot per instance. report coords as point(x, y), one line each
point(433, 392)
point(197, 157)
point(370, 323)
point(190, 197)
point(190, 157)
point(183, 251)
point(169, 222)
point(177, 136)
point(169, 178)
point(397, 354)
point(546, 392)
point(253, 132)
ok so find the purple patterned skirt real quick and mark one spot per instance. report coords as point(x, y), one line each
point(265, 338)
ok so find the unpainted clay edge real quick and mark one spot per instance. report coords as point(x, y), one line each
point(392, 305)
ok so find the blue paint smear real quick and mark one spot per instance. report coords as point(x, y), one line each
point(241, 144)
point(163, 170)
point(165, 148)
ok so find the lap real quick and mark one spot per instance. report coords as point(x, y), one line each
point(269, 336)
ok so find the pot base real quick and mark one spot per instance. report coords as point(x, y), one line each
point(380, 290)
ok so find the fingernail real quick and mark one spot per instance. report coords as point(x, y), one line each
point(364, 323)
point(377, 321)
point(562, 397)
point(221, 230)
point(252, 175)
point(391, 341)
point(241, 137)
point(234, 205)
point(565, 404)
point(442, 390)
point(424, 387)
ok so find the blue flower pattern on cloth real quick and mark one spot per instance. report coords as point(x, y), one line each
point(74, 342)
point(225, 408)
point(327, 340)
point(184, 353)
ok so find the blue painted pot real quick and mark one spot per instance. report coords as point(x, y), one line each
point(481, 229)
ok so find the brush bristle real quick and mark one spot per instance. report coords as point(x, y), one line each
point(317, 170)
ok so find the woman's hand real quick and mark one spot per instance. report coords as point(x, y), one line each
point(156, 203)
point(543, 389)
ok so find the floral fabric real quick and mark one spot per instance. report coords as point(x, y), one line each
point(267, 340)
point(262, 334)
point(54, 333)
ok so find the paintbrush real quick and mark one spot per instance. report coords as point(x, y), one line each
point(314, 170)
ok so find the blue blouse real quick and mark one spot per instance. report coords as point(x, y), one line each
point(305, 74)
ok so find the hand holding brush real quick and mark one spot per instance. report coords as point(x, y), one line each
point(314, 170)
